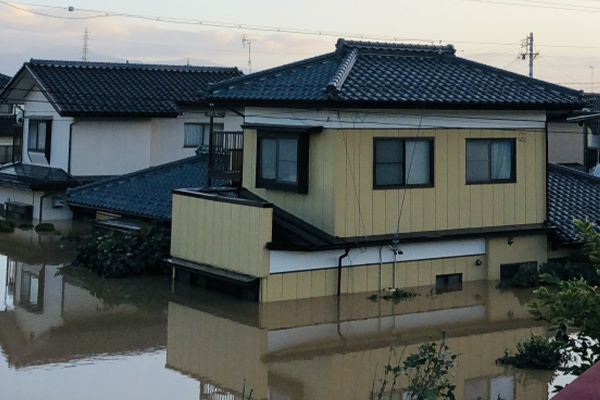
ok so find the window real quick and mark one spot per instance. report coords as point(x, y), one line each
point(282, 161)
point(39, 136)
point(199, 134)
point(491, 160)
point(448, 283)
point(403, 163)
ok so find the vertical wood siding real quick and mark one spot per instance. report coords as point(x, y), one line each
point(316, 207)
point(451, 203)
point(225, 235)
point(342, 202)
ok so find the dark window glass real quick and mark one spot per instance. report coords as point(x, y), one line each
point(490, 160)
point(402, 162)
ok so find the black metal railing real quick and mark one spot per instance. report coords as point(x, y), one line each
point(225, 156)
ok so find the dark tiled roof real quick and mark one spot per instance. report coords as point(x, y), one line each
point(37, 177)
point(7, 125)
point(571, 194)
point(146, 193)
point(4, 79)
point(396, 75)
point(117, 89)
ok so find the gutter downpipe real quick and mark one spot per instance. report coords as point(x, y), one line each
point(339, 280)
point(70, 146)
point(380, 266)
point(42, 205)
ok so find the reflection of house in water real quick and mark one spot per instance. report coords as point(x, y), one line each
point(324, 349)
point(49, 317)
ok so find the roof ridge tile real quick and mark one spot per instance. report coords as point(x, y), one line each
point(335, 85)
point(128, 65)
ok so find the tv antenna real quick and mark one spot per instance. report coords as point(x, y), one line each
point(85, 51)
point(249, 42)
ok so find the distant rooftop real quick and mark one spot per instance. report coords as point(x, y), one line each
point(146, 193)
point(571, 194)
point(77, 88)
point(4, 79)
point(36, 177)
point(395, 75)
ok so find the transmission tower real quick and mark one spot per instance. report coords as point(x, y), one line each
point(85, 51)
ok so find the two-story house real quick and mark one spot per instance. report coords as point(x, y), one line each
point(87, 120)
point(377, 165)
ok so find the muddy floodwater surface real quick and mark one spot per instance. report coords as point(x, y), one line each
point(67, 334)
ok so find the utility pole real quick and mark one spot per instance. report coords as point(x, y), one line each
point(528, 44)
point(249, 41)
point(84, 53)
point(592, 79)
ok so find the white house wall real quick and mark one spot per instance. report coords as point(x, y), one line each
point(36, 105)
point(397, 119)
point(294, 261)
point(110, 147)
point(25, 195)
point(168, 134)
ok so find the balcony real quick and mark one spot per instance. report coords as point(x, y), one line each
point(225, 156)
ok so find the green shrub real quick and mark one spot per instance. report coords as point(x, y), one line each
point(527, 276)
point(45, 227)
point(575, 267)
point(6, 226)
point(25, 225)
point(427, 371)
point(537, 352)
point(115, 254)
point(396, 295)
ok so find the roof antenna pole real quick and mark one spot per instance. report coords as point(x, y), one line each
point(84, 53)
point(249, 42)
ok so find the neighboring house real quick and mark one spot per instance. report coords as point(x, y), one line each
point(9, 129)
point(144, 195)
point(97, 120)
point(377, 165)
point(571, 194)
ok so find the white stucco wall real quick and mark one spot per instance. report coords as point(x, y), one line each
point(110, 147)
point(565, 143)
point(36, 105)
point(168, 134)
point(24, 195)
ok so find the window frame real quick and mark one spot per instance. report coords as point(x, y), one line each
point(513, 164)
point(302, 157)
point(404, 185)
point(46, 150)
point(205, 131)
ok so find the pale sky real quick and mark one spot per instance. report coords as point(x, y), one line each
point(487, 31)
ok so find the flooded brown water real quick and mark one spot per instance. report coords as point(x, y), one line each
point(67, 334)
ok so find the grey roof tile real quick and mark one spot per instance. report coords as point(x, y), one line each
point(37, 177)
point(118, 89)
point(396, 75)
point(4, 79)
point(571, 194)
point(146, 193)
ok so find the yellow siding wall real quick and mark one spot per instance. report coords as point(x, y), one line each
point(341, 199)
point(316, 207)
point(451, 203)
point(523, 249)
point(225, 235)
point(358, 279)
